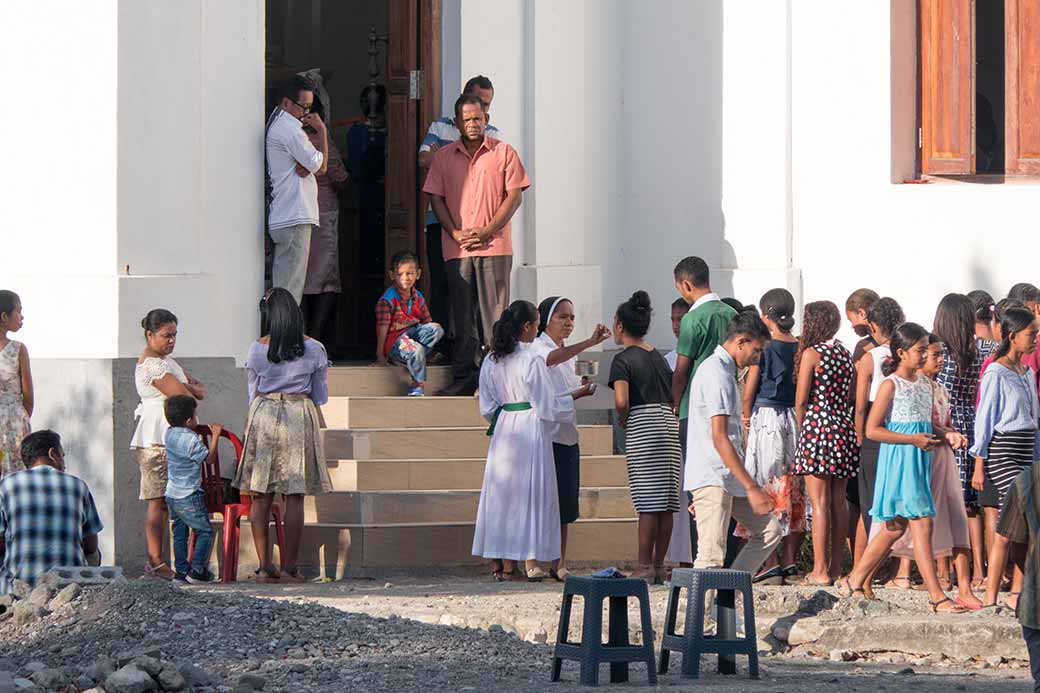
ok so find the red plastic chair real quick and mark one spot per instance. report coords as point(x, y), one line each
point(213, 488)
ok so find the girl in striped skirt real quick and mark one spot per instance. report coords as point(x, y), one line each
point(1006, 422)
point(641, 380)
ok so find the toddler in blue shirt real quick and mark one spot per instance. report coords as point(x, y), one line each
point(185, 454)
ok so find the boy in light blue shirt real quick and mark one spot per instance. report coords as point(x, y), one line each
point(185, 454)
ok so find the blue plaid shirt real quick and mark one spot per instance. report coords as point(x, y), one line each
point(44, 516)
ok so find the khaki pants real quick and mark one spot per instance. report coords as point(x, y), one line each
point(479, 291)
point(714, 508)
point(292, 250)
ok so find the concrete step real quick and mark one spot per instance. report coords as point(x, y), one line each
point(401, 412)
point(435, 443)
point(422, 507)
point(381, 381)
point(451, 474)
point(351, 550)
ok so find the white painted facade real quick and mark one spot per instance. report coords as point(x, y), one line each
point(768, 136)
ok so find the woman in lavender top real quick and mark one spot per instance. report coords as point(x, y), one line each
point(287, 377)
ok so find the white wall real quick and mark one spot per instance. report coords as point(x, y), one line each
point(59, 188)
point(853, 226)
point(191, 171)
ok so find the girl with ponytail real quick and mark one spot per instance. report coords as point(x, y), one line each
point(768, 416)
point(827, 446)
point(901, 421)
point(1005, 428)
point(518, 518)
point(642, 381)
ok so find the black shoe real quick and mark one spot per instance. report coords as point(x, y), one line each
point(773, 576)
point(459, 388)
point(197, 578)
point(180, 577)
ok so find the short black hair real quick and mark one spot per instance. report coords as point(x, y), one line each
point(179, 409)
point(37, 444)
point(694, 270)
point(403, 257)
point(747, 324)
point(1024, 292)
point(294, 85)
point(466, 100)
point(478, 82)
point(680, 304)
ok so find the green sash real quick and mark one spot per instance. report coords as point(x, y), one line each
point(510, 406)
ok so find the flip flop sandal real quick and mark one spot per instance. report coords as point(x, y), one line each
point(848, 586)
point(807, 582)
point(958, 608)
point(893, 584)
point(155, 571)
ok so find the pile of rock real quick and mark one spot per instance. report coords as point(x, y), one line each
point(26, 605)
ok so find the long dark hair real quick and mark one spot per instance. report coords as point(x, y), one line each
point(820, 322)
point(955, 327)
point(285, 325)
point(634, 314)
point(1014, 320)
point(510, 326)
point(903, 337)
point(778, 306)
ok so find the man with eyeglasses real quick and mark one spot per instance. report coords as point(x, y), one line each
point(292, 163)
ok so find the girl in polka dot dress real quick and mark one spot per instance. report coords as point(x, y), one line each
point(827, 447)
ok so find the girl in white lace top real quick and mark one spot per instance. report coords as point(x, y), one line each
point(157, 377)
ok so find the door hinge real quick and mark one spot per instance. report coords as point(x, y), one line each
point(415, 85)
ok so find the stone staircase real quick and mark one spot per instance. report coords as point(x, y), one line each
point(407, 474)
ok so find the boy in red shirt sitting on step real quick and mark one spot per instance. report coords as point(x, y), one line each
point(405, 332)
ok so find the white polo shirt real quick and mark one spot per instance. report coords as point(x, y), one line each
point(294, 198)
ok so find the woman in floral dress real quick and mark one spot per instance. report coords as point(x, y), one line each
point(16, 388)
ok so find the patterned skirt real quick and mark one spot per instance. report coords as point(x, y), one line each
point(1008, 454)
point(14, 426)
point(282, 452)
point(771, 451)
point(653, 455)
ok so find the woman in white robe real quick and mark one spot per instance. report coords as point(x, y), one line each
point(518, 518)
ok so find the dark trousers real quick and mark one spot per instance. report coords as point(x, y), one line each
point(1033, 645)
point(732, 543)
point(438, 298)
point(479, 291)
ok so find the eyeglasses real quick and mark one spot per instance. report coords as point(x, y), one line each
point(306, 108)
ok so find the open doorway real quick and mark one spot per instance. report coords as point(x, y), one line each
point(366, 58)
point(989, 87)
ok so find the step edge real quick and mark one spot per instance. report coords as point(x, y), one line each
point(406, 525)
point(410, 460)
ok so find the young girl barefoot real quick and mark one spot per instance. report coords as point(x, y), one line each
point(768, 414)
point(901, 420)
point(827, 447)
point(16, 386)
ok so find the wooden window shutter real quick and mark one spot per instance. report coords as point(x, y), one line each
point(1022, 86)
point(947, 86)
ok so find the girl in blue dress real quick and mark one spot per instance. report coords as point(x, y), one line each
point(901, 421)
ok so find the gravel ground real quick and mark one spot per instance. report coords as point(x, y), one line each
point(284, 641)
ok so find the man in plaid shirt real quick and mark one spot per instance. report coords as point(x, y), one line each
point(47, 517)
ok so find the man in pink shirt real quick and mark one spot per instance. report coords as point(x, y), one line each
point(475, 185)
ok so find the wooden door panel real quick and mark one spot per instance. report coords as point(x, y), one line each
point(947, 86)
point(402, 125)
point(1022, 86)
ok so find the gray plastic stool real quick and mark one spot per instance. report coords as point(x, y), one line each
point(693, 643)
point(591, 651)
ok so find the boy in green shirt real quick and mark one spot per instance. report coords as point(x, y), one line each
point(702, 329)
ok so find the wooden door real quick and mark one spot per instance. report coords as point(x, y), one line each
point(402, 169)
point(1022, 86)
point(947, 86)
